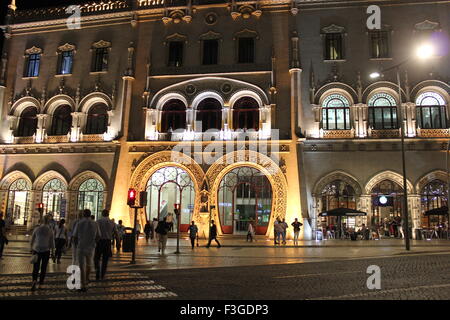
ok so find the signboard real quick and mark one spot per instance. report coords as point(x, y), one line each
point(63, 209)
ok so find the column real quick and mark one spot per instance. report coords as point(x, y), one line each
point(414, 206)
point(41, 131)
point(75, 131)
point(12, 121)
point(410, 112)
point(365, 201)
point(360, 116)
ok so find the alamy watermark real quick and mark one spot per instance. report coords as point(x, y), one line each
point(74, 21)
point(74, 280)
point(374, 280)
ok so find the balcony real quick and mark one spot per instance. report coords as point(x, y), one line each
point(337, 134)
point(384, 133)
point(433, 133)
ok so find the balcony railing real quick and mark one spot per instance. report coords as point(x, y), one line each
point(384, 133)
point(433, 133)
point(338, 134)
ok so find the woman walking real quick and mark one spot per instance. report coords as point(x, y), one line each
point(60, 240)
point(162, 229)
point(42, 241)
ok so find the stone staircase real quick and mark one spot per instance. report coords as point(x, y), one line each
point(17, 230)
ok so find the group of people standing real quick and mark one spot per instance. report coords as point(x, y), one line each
point(280, 231)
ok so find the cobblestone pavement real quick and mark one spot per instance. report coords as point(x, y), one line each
point(116, 286)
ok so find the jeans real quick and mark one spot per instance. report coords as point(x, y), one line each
point(192, 242)
point(211, 239)
point(162, 242)
point(283, 234)
point(2, 246)
point(59, 244)
point(249, 236)
point(277, 236)
point(103, 251)
point(84, 258)
point(42, 264)
point(296, 234)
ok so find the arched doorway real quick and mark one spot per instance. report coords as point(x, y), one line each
point(17, 209)
point(432, 196)
point(244, 195)
point(169, 187)
point(91, 196)
point(387, 204)
point(54, 199)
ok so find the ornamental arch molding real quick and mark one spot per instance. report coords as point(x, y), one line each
point(94, 98)
point(13, 176)
point(336, 88)
point(337, 175)
point(253, 159)
point(432, 86)
point(388, 175)
point(46, 177)
point(382, 87)
point(434, 175)
point(57, 101)
point(78, 180)
point(143, 172)
point(20, 105)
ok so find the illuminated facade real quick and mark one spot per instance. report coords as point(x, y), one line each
point(235, 111)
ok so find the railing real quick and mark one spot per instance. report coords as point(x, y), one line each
point(24, 140)
point(385, 133)
point(433, 133)
point(338, 134)
point(92, 138)
point(57, 139)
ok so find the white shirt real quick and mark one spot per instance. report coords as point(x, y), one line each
point(86, 232)
point(60, 233)
point(106, 228)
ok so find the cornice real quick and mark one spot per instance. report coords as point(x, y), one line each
point(62, 148)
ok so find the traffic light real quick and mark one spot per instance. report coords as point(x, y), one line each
point(143, 198)
point(40, 207)
point(131, 197)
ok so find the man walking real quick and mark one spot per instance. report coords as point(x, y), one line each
point(296, 224)
point(119, 235)
point(193, 231)
point(213, 235)
point(2, 234)
point(162, 229)
point(278, 230)
point(103, 249)
point(85, 235)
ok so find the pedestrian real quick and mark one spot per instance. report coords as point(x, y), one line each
point(113, 237)
point(3, 238)
point(85, 236)
point(92, 217)
point(119, 235)
point(60, 240)
point(278, 231)
point(73, 245)
point(296, 225)
point(154, 225)
point(401, 235)
point(284, 227)
point(250, 231)
point(213, 235)
point(162, 229)
point(193, 231)
point(147, 230)
point(138, 230)
point(42, 242)
point(107, 230)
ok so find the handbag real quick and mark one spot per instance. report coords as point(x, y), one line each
point(34, 258)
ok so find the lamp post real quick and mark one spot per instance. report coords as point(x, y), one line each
point(177, 214)
point(448, 190)
point(424, 51)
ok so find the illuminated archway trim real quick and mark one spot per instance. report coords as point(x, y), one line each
point(79, 179)
point(206, 95)
point(13, 176)
point(42, 180)
point(171, 96)
point(337, 175)
point(427, 178)
point(256, 160)
point(154, 162)
point(385, 90)
point(245, 93)
point(92, 99)
point(59, 100)
point(338, 91)
point(444, 94)
point(20, 105)
point(387, 175)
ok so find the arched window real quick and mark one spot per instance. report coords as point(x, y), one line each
point(28, 122)
point(209, 113)
point(335, 113)
point(433, 195)
point(245, 195)
point(170, 186)
point(430, 110)
point(391, 207)
point(382, 111)
point(61, 121)
point(173, 115)
point(246, 114)
point(18, 202)
point(54, 199)
point(91, 196)
point(97, 119)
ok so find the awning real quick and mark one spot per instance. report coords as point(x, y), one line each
point(342, 212)
point(442, 211)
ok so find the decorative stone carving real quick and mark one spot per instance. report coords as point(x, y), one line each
point(33, 50)
point(101, 44)
point(66, 47)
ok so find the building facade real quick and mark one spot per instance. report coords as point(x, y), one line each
point(233, 111)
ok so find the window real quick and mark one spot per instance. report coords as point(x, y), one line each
point(175, 54)
point(379, 44)
point(173, 115)
point(246, 50)
point(54, 200)
point(61, 121)
point(209, 113)
point(65, 62)
point(19, 201)
point(91, 196)
point(335, 113)
point(97, 119)
point(246, 114)
point(382, 112)
point(100, 60)
point(430, 111)
point(393, 208)
point(210, 51)
point(33, 64)
point(334, 46)
point(27, 122)
point(433, 195)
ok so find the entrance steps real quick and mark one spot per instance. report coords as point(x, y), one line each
point(17, 230)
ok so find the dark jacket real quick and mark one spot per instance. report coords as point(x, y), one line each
point(162, 228)
point(213, 231)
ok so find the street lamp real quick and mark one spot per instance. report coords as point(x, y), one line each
point(177, 214)
point(423, 52)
